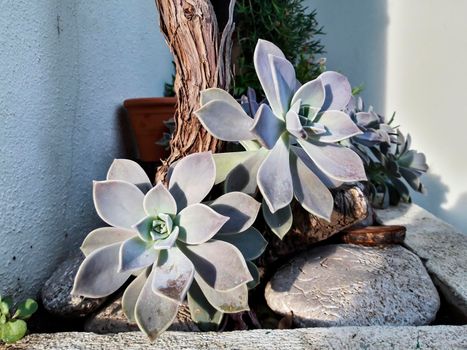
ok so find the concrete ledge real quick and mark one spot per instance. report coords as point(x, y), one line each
point(442, 248)
point(429, 337)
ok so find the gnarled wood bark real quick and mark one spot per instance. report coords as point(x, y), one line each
point(202, 60)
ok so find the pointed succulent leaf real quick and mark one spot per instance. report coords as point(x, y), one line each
point(310, 192)
point(206, 317)
point(366, 119)
point(159, 200)
point(267, 127)
point(136, 254)
point(243, 177)
point(412, 178)
point(198, 223)
point(118, 203)
point(227, 161)
point(154, 313)
point(168, 242)
point(279, 222)
point(263, 69)
point(336, 161)
point(173, 274)
point(131, 295)
point(224, 121)
point(337, 90)
point(231, 301)
point(311, 95)
point(220, 264)
point(338, 125)
point(98, 275)
point(294, 125)
point(192, 179)
point(212, 94)
point(250, 242)
point(274, 178)
point(329, 182)
point(254, 273)
point(240, 208)
point(129, 171)
point(283, 75)
point(105, 236)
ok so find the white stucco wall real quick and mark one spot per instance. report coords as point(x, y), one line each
point(411, 56)
point(65, 68)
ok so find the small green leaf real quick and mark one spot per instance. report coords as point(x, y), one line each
point(4, 308)
point(13, 331)
point(26, 309)
point(2, 319)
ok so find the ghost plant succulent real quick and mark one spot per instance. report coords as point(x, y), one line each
point(389, 162)
point(291, 145)
point(172, 243)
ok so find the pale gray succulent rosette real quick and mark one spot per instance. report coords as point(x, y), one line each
point(291, 145)
point(172, 243)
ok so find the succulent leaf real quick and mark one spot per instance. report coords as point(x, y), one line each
point(198, 223)
point(283, 75)
point(212, 94)
point(250, 242)
point(168, 242)
point(337, 90)
point(159, 200)
point(279, 222)
point(136, 254)
point(131, 295)
point(338, 125)
point(243, 177)
point(254, 273)
point(267, 127)
point(311, 95)
point(241, 208)
point(98, 275)
point(104, 236)
point(227, 161)
point(202, 312)
point(129, 171)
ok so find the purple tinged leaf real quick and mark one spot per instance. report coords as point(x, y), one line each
point(311, 95)
point(337, 162)
point(264, 72)
point(310, 192)
point(225, 121)
point(232, 301)
point(227, 161)
point(173, 275)
point(366, 119)
point(243, 177)
point(283, 75)
point(280, 222)
point(105, 236)
point(329, 182)
point(129, 171)
point(337, 90)
point(136, 254)
point(274, 178)
point(98, 275)
point(198, 223)
point(212, 94)
point(294, 125)
point(131, 294)
point(339, 127)
point(192, 179)
point(154, 313)
point(159, 200)
point(118, 203)
point(250, 242)
point(267, 127)
point(240, 208)
point(220, 264)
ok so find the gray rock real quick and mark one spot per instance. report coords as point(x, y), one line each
point(441, 246)
point(56, 292)
point(432, 337)
point(111, 319)
point(347, 285)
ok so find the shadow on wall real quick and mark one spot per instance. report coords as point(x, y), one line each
point(355, 43)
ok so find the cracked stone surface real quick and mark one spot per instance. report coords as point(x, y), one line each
point(56, 292)
point(347, 285)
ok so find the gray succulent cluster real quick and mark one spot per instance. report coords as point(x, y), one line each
point(291, 145)
point(389, 161)
point(172, 243)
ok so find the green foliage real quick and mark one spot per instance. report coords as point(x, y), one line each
point(13, 328)
point(289, 25)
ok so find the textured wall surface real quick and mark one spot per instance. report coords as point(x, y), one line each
point(410, 56)
point(65, 68)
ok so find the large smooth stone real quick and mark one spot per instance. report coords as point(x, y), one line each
point(56, 292)
point(347, 285)
point(111, 319)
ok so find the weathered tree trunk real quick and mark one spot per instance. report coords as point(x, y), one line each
point(202, 60)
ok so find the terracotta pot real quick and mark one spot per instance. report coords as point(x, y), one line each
point(146, 118)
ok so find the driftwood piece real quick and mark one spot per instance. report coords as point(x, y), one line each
point(350, 207)
point(202, 60)
point(374, 235)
